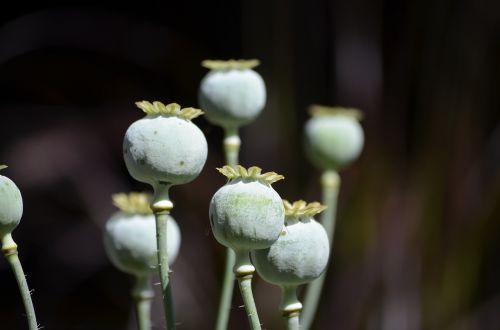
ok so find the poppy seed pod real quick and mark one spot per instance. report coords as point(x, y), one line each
point(11, 205)
point(301, 252)
point(130, 235)
point(333, 137)
point(165, 147)
point(232, 94)
point(247, 213)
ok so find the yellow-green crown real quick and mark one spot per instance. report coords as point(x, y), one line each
point(301, 208)
point(230, 64)
point(317, 110)
point(2, 167)
point(171, 109)
point(253, 172)
point(133, 203)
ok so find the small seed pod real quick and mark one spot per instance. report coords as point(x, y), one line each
point(130, 235)
point(247, 213)
point(165, 147)
point(232, 94)
point(301, 252)
point(11, 205)
point(333, 137)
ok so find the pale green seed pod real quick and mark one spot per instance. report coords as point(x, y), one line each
point(333, 137)
point(11, 205)
point(301, 252)
point(231, 93)
point(130, 236)
point(165, 147)
point(247, 213)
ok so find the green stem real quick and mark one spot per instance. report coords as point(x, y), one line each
point(142, 293)
point(243, 269)
point(330, 183)
point(161, 207)
point(231, 144)
point(292, 322)
point(290, 307)
point(9, 249)
point(226, 292)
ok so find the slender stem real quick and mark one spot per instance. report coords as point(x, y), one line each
point(330, 183)
point(292, 322)
point(142, 293)
point(245, 284)
point(232, 144)
point(226, 294)
point(161, 207)
point(290, 307)
point(9, 249)
point(243, 269)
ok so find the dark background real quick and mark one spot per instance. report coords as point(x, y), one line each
point(418, 237)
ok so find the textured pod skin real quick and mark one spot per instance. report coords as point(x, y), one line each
point(333, 142)
point(130, 242)
point(11, 206)
point(299, 256)
point(246, 215)
point(164, 149)
point(233, 97)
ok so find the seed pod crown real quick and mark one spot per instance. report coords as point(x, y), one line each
point(133, 202)
point(301, 208)
point(252, 172)
point(230, 64)
point(316, 110)
point(171, 109)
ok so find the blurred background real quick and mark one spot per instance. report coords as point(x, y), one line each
point(418, 238)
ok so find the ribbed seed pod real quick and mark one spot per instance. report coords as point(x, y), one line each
point(301, 252)
point(165, 147)
point(130, 235)
point(247, 213)
point(299, 256)
point(333, 137)
point(11, 205)
point(231, 93)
